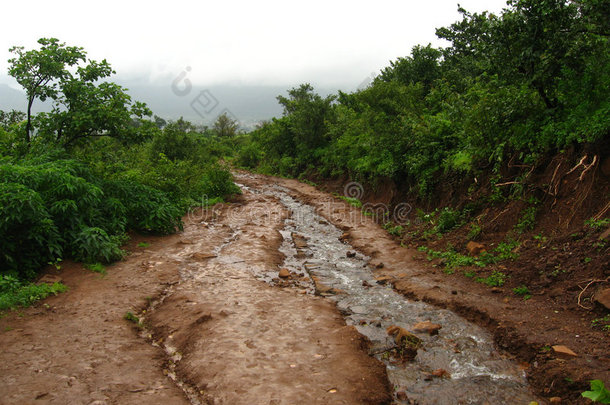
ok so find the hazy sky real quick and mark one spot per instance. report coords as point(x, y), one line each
point(328, 43)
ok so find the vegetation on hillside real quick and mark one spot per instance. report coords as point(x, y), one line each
point(509, 88)
point(75, 180)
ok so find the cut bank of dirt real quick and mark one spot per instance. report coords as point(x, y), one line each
point(228, 338)
point(527, 329)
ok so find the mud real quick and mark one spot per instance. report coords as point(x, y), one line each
point(525, 329)
point(210, 332)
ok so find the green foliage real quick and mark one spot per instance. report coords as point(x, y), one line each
point(603, 322)
point(495, 279)
point(597, 224)
point(527, 221)
point(143, 244)
point(448, 219)
point(598, 392)
point(129, 316)
point(523, 291)
point(14, 293)
point(354, 202)
point(508, 88)
point(475, 231)
point(395, 230)
point(97, 268)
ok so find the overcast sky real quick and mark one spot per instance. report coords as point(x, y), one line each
point(328, 43)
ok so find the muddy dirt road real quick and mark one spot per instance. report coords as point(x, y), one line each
point(218, 325)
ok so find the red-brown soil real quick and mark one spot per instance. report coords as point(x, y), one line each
point(207, 322)
point(525, 328)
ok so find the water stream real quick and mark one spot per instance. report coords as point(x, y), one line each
point(474, 370)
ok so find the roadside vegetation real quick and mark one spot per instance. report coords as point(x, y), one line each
point(76, 180)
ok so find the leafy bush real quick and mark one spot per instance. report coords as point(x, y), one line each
point(598, 392)
point(448, 219)
point(14, 293)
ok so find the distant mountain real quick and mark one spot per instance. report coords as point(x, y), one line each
point(201, 105)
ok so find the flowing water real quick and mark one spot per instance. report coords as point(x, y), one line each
point(476, 371)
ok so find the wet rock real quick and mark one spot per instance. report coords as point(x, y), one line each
point(401, 396)
point(475, 248)
point(366, 284)
point(350, 254)
point(202, 256)
point(426, 327)
point(438, 373)
point(496, 290)
point(379, 266)
point(344, 236)
point(602, 296)
point(49, 279)
point(358, 309)
point(383, 279)
point(284, 273)
point(564, 351)
point(555, 400)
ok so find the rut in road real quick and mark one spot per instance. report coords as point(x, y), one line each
point(237, 340)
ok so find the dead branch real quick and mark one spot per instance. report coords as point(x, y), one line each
point(585, 289)
point(507, 183)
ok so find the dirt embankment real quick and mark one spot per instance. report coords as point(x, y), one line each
point(525, 328)
point(206, 322)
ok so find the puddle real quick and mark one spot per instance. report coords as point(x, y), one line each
point(476, 372)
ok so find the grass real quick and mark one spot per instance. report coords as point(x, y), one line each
point(523, 291)
point(97, 268)
point(354, 202)
point(495, 279)
point(14, 293)
point(129, 316)
point(143, 244)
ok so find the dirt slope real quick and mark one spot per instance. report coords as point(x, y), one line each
point(524, 328)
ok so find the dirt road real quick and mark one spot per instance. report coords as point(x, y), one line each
point(218, 325)
point(209, 331)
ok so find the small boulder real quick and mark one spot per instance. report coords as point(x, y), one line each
point(426, 327)
point(350, 253)
point(602, 296)
point(284, 273)
point(475, 248)
point(344, 237)
point(564, 351)
point(401, 396)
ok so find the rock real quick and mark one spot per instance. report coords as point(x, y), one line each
point(366, 284)
point(426, 327)
point(379, 266)
point(383, 279)
point(49, 279)
point(496, 290)
point(555, 400)
point(475, 248)
point(202, 256)
point(401, 396)
point(605, 166)
point(602, 296)
point(284, 273)
point(350, 254)
point(564, 351)
point(344, 236)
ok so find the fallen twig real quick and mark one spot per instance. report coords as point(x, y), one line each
point(585, 289)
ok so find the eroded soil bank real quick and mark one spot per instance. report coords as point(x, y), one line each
point(527, 329)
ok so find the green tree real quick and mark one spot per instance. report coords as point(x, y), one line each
point(225, 126)
point(83, 107)
point(39, 71)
